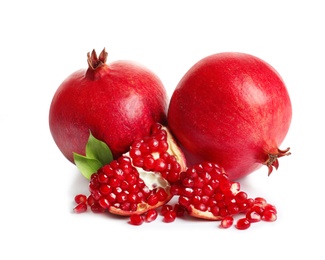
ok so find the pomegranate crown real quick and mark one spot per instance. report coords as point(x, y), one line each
point(273, 162)
point(95, 62)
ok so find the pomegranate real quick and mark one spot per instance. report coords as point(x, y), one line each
point(137, 181)
point(117, 102)
point(206, 192)
point(232, 109)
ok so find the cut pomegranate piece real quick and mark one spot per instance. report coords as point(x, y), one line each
point(139, 180)
point(131, 190)
point(206, 192)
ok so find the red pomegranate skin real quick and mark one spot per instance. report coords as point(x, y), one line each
point(117, 102)
point(232, 109)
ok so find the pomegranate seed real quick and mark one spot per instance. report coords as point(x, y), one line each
point(105, 189)
point(258, 209)
point(253, 216)
point(90, 200)
point(148, 162)
point(161, 194)
point(104, 203)
point(270, 207)
point(96, 208)
point(225, 185)
point(151, 215)
point(227, 222)
point(159, 165)
point(215, 210)
point(152, 199)
point(169, 216)
point(136, 219)
point(259, 200)
point(243, 223)
point(174, 189)
point(269, 215)
point(241, 197)
point(233, 209)
point(165, 208)
point(180, 210)
point(80, 208)
point(80, 198)
point(102, 177)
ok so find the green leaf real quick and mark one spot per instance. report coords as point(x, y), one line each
point(96, 149)
point(97, 155)
point(86, 166)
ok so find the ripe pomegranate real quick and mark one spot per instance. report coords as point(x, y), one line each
point(137, 181)
point(232, 109)
point(117, 102)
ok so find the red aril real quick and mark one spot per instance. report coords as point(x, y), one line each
point(80, 208)
point(243, 224)
point(169, 216)
point(116, 102)
point(227, 222)
point(80, 198)
point(151, 215)
point(232, 109)
point(136, 219)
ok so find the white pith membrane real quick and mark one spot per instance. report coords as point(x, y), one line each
point(151, 179)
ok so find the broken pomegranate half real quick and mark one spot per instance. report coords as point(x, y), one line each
point(140, 179)
point(123, 189)
point(206, 192)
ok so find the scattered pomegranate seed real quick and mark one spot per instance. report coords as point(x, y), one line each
point(165, 208)
point(151, 215)
point(253, 216)
point(80, 198)
point(169, 216)
point(227, 222)
point(80, 208)
point(136, 219)
point(243, 223)
point(180, 210)
point(269, 215)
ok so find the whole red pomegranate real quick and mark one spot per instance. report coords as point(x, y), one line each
point(232, 109)
point(117, 102)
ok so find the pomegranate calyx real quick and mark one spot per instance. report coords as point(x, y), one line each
point(273, 162)
point(95, 62)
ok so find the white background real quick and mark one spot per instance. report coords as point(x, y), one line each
point(43, 42)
